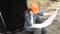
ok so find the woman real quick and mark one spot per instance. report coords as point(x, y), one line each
point(30, 19)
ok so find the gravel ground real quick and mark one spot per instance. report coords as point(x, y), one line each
point(54, 28)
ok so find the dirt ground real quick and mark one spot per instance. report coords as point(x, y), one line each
point(54, 28)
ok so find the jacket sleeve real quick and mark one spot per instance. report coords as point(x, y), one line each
point(27, 19)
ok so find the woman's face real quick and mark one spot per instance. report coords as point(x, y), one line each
point(35, 11)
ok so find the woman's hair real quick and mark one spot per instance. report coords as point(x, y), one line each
point(27, 11)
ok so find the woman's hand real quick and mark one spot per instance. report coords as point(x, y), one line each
point(31, 13)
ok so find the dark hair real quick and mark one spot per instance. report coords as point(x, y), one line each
point(27, 11)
